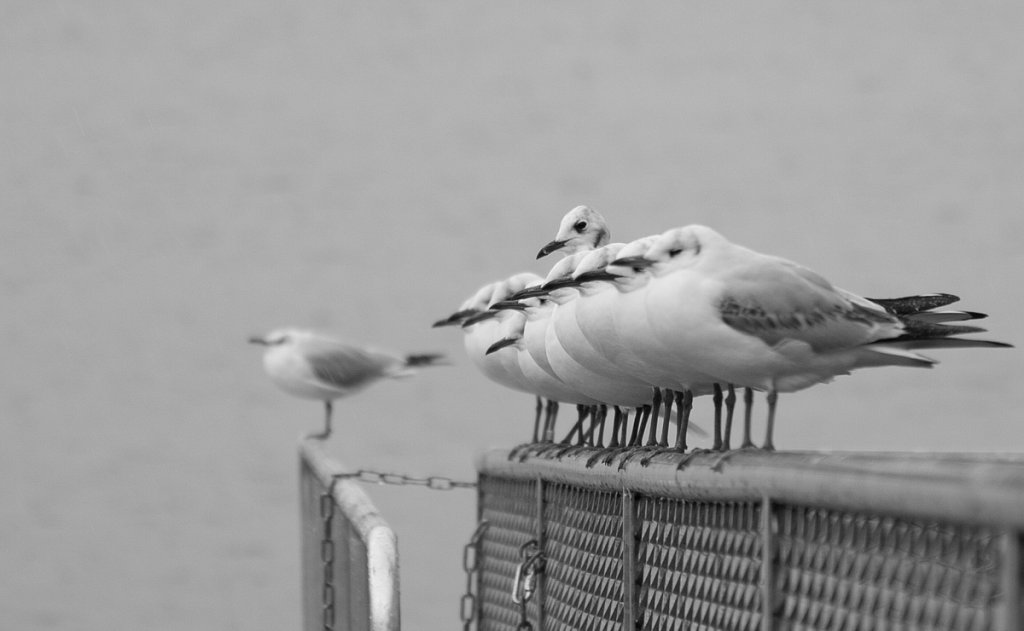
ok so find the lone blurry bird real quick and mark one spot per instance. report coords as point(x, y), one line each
point(313, 366)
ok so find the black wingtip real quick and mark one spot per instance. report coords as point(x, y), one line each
point(907, 305)
point(597, 275)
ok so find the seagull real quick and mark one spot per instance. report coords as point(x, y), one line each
point(523, 336)
point(313, 366)
point(770, 324)
point(482, 327)
point(582, 228)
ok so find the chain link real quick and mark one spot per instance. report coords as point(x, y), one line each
point(525, 582)
point(327, 556)
point(470, 554)
point(434, 482)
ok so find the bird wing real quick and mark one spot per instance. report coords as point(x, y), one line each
point(779, 301)
point(346, 366)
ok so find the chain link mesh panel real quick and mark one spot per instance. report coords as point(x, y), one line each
point(852, 571)
point(632, 559)
point(700, 565)
point(583, 550)
point(510, 507)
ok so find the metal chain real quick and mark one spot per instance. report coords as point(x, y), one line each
point(525, 582)
point(470, 554)
point(434, 482)
point(327, 556)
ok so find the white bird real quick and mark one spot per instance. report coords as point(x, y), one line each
point(482, 327)
point(524, 336)
point(581, 229)
point(314, 366)
point(767, 323)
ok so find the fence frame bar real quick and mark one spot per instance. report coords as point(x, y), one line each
point(363, 522)
point(978, 489)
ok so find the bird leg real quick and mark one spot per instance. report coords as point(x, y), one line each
point(536, 421)
point(730, 407)
point(683, 408)
point(652, 440)
point(639, 428)
point(616, 424)
point(328, 408)
point(566, 444)
point(667, 421)
point(582, 412)
point(618, 440)
point(716, 398)
point(748, 403)
point(773, 398)
point(549, 421)
point(597, 438)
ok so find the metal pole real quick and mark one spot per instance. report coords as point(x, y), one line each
point(541, 598)
point(630, 613)
point(767, 565)
point(1009, 550)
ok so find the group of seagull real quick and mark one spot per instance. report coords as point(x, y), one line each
point(637, 327)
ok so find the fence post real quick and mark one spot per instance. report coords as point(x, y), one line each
point(630, 562)
point(541, 595)
point(1009, 550)
point(768, 558)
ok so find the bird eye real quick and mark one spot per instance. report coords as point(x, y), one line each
point(675, 252)
point(580, 226)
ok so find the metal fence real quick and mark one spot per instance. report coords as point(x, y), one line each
point(349, 554)
point(758, 541)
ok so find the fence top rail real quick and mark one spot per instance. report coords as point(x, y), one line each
point(377, 537)
point(969, 488)
point(353, 501)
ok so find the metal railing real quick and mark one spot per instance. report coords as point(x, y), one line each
point(756, 541)
point(349, 554)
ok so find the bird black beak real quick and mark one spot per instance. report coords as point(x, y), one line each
point(480, 317)
point(455, 318)
point(636, 262)
point(597, 274)
point(500, 344)
point(560, 283)
point(508, 304)
point(551, 247)
point(529, 292)
point(255, 339)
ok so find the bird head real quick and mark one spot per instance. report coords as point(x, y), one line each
point(582, 228)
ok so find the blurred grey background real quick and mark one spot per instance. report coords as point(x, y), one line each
point(179, 175)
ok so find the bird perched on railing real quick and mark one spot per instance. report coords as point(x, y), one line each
point(689, 313)
point(767, 323)
point(314, 366)
point(583, 230)
point(482, 327)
